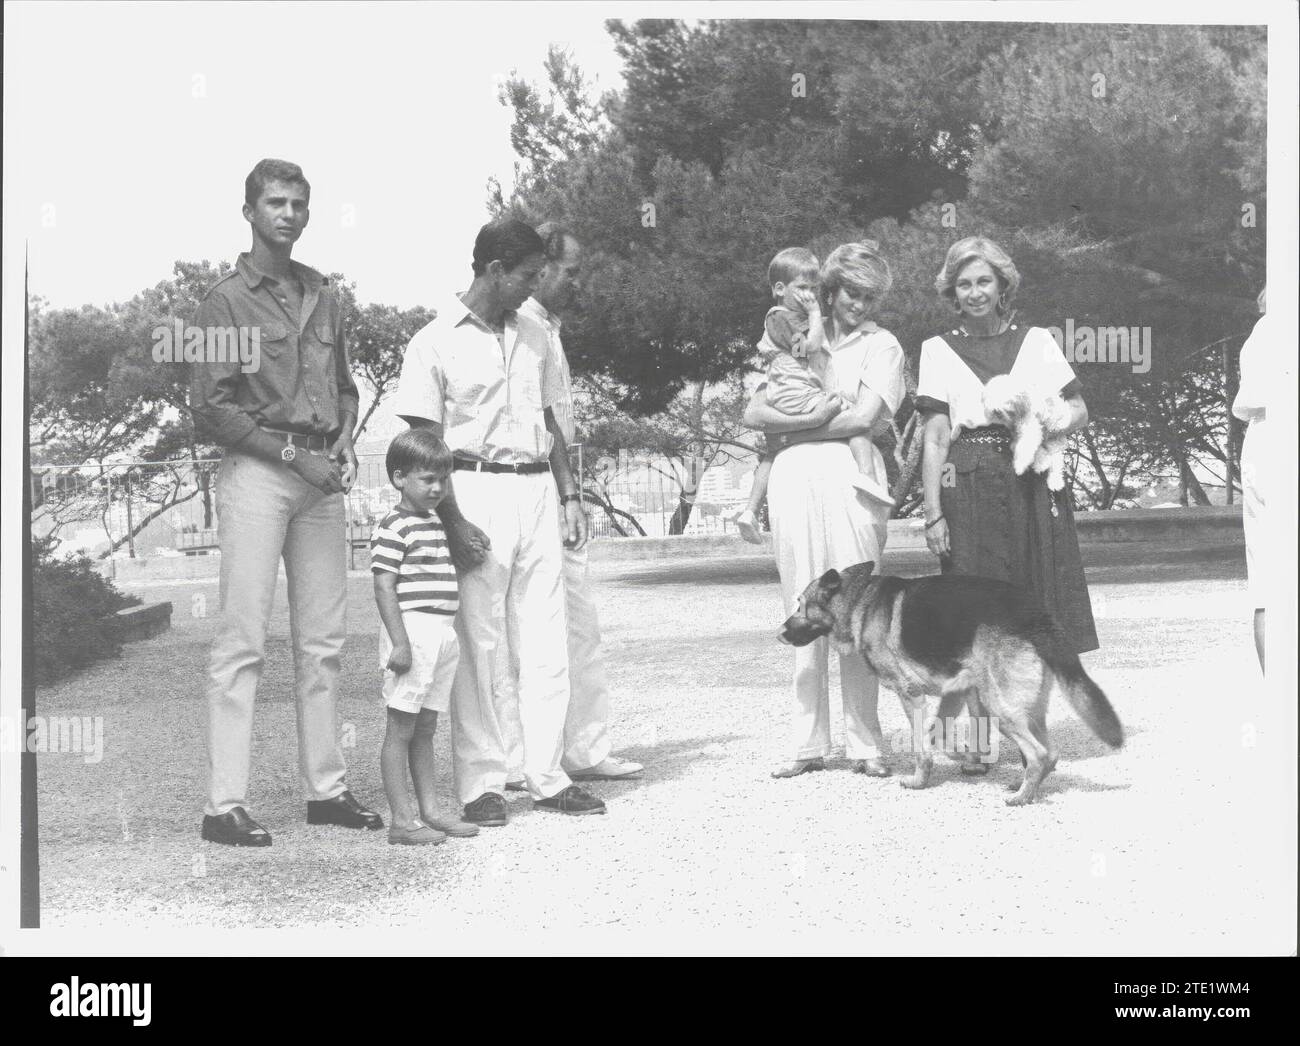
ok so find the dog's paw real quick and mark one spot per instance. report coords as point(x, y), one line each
point(915, 780)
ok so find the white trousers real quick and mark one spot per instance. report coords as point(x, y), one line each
point(511, 612)
point(820, 521)
point(586, 726)
point(1254, 478)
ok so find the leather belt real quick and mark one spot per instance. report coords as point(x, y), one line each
point(299, 439)
point(526, 469)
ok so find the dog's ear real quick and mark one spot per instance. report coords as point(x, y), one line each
point(830, 581)
point(869, 567)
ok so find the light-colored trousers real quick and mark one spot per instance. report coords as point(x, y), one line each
point(820, 521)
point(586, 726)
point(1254, 480)
point(266, 512)
point(511, 612)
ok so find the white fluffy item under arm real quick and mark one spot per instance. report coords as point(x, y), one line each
point(1039, 425)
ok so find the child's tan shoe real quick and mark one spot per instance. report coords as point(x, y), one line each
point(457, 829)
point(418, 834)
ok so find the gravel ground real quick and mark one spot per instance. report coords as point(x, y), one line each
point(1184, 842)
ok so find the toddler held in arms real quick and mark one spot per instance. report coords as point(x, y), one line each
point(794, 349)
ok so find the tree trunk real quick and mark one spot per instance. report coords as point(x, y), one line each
point(1107, 491)
point(682, 514)
point(1189, 487)
point(356, 432)
point(907, 452)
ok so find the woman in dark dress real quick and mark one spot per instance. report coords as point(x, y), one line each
point(981, 518)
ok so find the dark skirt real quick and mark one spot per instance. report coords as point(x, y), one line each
point(1001, 526)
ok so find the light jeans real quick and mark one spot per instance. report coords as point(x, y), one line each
point(265, 511)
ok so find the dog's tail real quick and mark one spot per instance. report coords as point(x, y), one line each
point(1086, 698)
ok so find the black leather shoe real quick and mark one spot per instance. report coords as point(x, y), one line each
point(235, 828)
point(573, 800)
point(489, 810)
point(342, 810)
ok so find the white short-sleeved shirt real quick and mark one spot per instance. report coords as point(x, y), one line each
point(1250, 402)
point(549, 322)
point(948, 382)
point(870, 356)
point(488, 397)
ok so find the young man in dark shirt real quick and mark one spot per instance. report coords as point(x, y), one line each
point(286, 427)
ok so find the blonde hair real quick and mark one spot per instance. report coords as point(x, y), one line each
point(978, 248)
point(857, 265)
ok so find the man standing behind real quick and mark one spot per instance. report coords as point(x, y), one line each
point(480, 376)
point(586, 728)
point(285, 428)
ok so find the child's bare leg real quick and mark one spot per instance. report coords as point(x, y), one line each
point(861, 449)
point(422, 773)
point(746, 522)
point(393, 758)
point(421, 758)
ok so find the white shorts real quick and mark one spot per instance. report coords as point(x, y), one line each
point(434, 656)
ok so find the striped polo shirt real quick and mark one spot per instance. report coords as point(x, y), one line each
point(414, 547)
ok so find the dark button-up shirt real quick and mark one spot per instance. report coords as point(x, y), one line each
point(302, 382)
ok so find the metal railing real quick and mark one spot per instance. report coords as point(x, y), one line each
point(140, 509)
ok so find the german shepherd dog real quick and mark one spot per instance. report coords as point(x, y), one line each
point(971, 639)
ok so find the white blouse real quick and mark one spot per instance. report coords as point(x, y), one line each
point(1251, 396)
point(945, 379)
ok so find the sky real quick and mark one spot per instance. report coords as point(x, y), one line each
point(137, 130)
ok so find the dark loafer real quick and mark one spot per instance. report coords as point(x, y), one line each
point(235, 828)
point(573, 801)
point(342, 810)
point(488, 810)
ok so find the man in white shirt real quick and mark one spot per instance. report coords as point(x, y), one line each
point(586, 729)
point(481, 377)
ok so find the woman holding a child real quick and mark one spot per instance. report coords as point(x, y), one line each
point(822, 512)
point(980, 517)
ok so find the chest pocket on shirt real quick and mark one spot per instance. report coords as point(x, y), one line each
point(276, 343)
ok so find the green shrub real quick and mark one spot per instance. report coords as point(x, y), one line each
point(73, 609)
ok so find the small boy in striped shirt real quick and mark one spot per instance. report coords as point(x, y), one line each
point(415, 587)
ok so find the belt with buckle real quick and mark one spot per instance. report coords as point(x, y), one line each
point(526, 469)
point(300, 439)
point(988, 435)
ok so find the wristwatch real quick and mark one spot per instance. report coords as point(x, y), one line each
point(288, 454)
point(570, 497)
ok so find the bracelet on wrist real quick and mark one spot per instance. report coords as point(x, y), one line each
point(570, 497)
point(932, 522)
